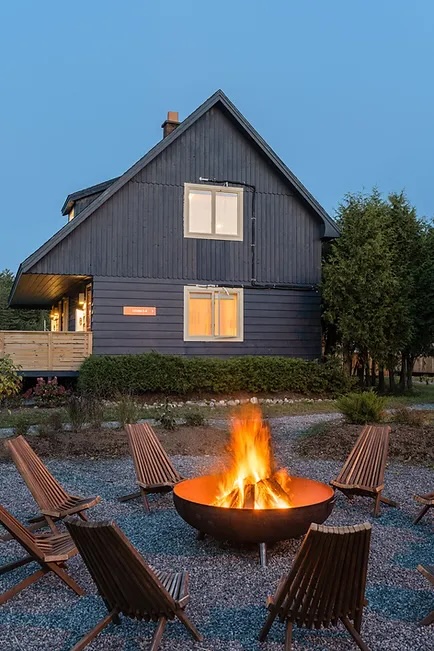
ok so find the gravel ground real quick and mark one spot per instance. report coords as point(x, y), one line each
point(227, 585)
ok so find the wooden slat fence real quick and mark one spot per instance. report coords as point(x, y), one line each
point(46, 351)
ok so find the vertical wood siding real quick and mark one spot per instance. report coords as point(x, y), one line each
point(138, 233)
point(276, 322)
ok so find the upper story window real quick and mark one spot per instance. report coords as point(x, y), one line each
point(213, 212)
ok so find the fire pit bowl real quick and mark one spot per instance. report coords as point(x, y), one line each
point(311, 500)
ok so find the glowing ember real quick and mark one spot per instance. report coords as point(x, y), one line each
point(251, 480)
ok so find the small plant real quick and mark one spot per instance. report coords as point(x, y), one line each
point(76, 413)
point(54, 421)
point(48, 393)
point(94, 411)
point(362, 408)
point(126, 410)
point(10, 380)
point(194, 419)
point(410, 417)
point(167, 418)
point(22, 424)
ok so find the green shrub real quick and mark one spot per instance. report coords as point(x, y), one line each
point(167, 418)
point(126, 410)
point(75, 412)
point(54, 421)
point(10, 380)
point(22, 424)
point(110, 375)
point(194, 419)
point(362, 408)
point(410, 417)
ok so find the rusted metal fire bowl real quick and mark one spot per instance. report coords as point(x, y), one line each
point(312, 502)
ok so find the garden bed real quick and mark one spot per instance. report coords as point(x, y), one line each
point(106, 443)
point(335, 440)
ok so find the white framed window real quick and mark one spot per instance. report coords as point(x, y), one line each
point(213, 314)
point(213, 212)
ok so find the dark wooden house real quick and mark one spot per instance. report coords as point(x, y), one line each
point(208, 245)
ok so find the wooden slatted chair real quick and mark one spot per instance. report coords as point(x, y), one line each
point(363, 471)
point(326, 583)
point(127, 584)
point(53, 500)
point(428, 572)
point(155, 472)
point(428, 503)
point(50, 551)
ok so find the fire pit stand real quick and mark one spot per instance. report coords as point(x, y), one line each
point(194, 499)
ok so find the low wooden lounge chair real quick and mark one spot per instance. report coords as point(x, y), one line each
point(428, 572)
point(326, 583)
point(428, 503)
point(127, 584)
point(363, 471)
point(50, 551)
point(54, 502)
point(154, 471)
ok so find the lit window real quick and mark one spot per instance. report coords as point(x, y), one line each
point(213, 212)
point(214, 313)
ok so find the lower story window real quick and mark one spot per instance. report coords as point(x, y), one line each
point(213, 313)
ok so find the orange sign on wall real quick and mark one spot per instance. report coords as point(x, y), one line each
point(139, 311)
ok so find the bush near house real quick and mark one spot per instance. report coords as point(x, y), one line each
point(110, 375)
point(10, 380)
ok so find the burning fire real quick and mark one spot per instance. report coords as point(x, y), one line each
point(252, 480)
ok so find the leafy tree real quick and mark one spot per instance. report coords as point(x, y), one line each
point(360, 287)
point(13, 319)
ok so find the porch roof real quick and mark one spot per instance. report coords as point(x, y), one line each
point(36, 291)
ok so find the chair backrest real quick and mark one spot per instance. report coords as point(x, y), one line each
point(328, 577)
point(366, 462)
point(152, 465)
point(123, 578)
point(46, 490)
point(22, 535)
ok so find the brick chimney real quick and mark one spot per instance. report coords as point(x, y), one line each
point(171, 123)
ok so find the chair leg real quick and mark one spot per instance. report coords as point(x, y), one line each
point(51, 524)
point(158, 634)
point(377, 505)
point(268, 623)
point(82, 515)
point(94, 632)
point(12, 566)
point(426, 621)
point(288, 635)
point(131, 496)
point(64, 576)
point(23, 584)
point(354, 634)
point(421, 513)
point(145, 501)
point(189, 625)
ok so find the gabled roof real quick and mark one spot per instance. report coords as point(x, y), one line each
point(86, 192)
point(218, 98)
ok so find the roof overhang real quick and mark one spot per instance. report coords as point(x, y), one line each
point(40, 291)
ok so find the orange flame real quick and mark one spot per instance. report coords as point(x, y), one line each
point(251, 479)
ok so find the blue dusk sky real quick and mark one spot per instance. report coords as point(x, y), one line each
point(342, 90)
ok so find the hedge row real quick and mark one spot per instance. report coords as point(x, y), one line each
point(109, 375)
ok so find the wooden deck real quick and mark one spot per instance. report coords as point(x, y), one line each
point(46, 351)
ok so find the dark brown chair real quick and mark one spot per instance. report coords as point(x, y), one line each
point(48, 550)
point(54, 502)
point(363, 471)
point(428, 503)
point(326, 583)
point(126, 583)
point(155, 472)
point(428, 572)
